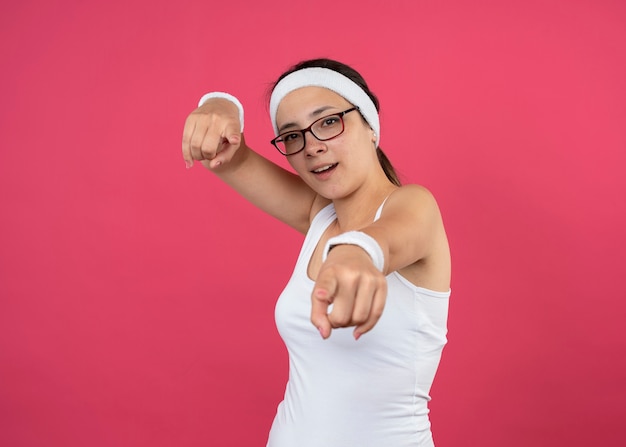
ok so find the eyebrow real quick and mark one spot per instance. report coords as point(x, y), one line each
point(313, 114)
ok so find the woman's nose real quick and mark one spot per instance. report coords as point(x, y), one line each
point(312, 145)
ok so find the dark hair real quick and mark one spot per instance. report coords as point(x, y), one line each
point(355, 77)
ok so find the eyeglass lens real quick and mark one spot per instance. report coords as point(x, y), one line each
point(323, 129)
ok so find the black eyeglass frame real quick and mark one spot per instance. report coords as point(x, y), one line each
point(310, 129)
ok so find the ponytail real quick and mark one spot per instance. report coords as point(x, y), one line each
point(388, 168)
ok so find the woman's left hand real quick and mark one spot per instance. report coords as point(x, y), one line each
point(356, 289)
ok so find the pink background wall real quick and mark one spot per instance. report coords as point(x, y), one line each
point(136, 297)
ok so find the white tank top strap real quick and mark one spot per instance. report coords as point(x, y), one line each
point(323, 218)
point(380, 209)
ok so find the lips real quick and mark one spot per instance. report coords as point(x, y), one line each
point(324, 168)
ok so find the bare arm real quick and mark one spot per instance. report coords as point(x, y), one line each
point(410, 228)
point(212, 135)
point(411, 235)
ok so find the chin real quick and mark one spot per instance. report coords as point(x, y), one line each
point(332, 193)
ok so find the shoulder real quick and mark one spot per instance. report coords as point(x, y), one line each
point(411, 198)
point(413, 190)
point(412, 206)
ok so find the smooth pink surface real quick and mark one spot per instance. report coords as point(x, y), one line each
point(136, 297)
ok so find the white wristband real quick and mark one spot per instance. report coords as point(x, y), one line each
point(227, 96)
point(365, 241)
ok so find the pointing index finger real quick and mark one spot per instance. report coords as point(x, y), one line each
point(321, 299)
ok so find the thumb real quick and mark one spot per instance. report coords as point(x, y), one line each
point(321, 299)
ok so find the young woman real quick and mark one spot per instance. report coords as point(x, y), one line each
point(375, 259)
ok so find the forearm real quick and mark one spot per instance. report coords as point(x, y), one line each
point(269, 187)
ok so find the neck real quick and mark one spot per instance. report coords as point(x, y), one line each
point(359, 209)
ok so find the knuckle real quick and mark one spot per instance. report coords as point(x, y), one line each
point(348, 275)
point(370, 281)
point(360, 316)
point(340, 320)
point(195, 141)
point(207, 153)
point(381, 282)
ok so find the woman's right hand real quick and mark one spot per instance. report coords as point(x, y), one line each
point(212, 133)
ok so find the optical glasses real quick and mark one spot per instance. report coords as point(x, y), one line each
point(323, 129)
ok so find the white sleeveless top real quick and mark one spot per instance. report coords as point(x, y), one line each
point(371, 392)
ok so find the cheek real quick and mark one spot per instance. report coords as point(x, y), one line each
point(296, 165)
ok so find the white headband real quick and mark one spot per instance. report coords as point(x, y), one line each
point(332, 80)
